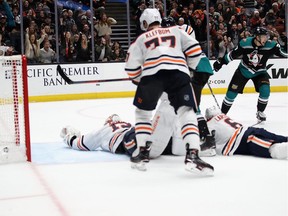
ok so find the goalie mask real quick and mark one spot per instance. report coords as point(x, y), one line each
point(149, 16)
point(211, 112)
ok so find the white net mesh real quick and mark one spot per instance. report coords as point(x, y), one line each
point(12, 118)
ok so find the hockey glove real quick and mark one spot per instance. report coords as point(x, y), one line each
point(209, 142)
point(114, 118)
point(218, 64)
point(202, 126)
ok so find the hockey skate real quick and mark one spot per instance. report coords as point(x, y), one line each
point(138, 161)
point(195, 165)
point(208, 147)
point(260, 116)
point(67, 133)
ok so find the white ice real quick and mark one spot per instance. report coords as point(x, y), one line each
point(65, 182)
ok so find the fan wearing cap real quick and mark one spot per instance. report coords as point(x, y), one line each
point(156, 62)
point(255, 52)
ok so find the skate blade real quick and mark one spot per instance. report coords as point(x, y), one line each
point(138, 166)
point(204, 172)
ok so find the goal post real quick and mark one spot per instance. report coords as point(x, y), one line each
point(14, 109)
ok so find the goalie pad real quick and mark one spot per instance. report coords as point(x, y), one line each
point(166, 124)
point(161, 124)
point(178, 146)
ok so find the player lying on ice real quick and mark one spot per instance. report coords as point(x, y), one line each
point(230, 137)
point(233, 138)
point(117, 136)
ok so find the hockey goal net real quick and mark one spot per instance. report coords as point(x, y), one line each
point(14, 117)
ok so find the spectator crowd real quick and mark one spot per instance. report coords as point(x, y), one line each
point(229, 21)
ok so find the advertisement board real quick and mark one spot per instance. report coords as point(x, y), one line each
point(45, 84)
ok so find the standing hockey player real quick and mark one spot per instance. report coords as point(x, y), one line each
point(232, 138)
point(255, 51)
point(199, 77)
point(156, 60)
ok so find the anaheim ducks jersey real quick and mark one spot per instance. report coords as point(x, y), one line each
point(108, 138)
point(254, 58)
point(228, 134)
point(162, 48)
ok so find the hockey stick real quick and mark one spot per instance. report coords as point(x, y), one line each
point(213, 94)
point(258, 123)
point(71, 82)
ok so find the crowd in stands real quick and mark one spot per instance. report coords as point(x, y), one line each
point(229, 21)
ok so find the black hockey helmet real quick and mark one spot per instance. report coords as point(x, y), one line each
point(261, 31)
point(168, 21)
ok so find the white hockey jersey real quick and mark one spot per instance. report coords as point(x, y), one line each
point(162, 48)
point(228, 133)
point(106, 138)
point(188, 29)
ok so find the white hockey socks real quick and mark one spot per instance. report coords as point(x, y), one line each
point(189, 128)
point(279, 150)
point(143, 128)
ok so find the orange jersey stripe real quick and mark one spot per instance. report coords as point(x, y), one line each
point(143, 128)
point(181, 61)
point(130, 144)
point(134, 74)
point(189, 129)
point(79, 145)
point(195, 50)
point(258, 141)
point(189, 30)
point(113, 140)
point(231, 141)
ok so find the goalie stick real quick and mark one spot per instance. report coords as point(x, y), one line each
point(258, 123)
point(71, 82)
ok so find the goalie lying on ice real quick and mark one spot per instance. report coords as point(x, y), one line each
point(230, 137)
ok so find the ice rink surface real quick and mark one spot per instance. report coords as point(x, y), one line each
point(65, 182)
